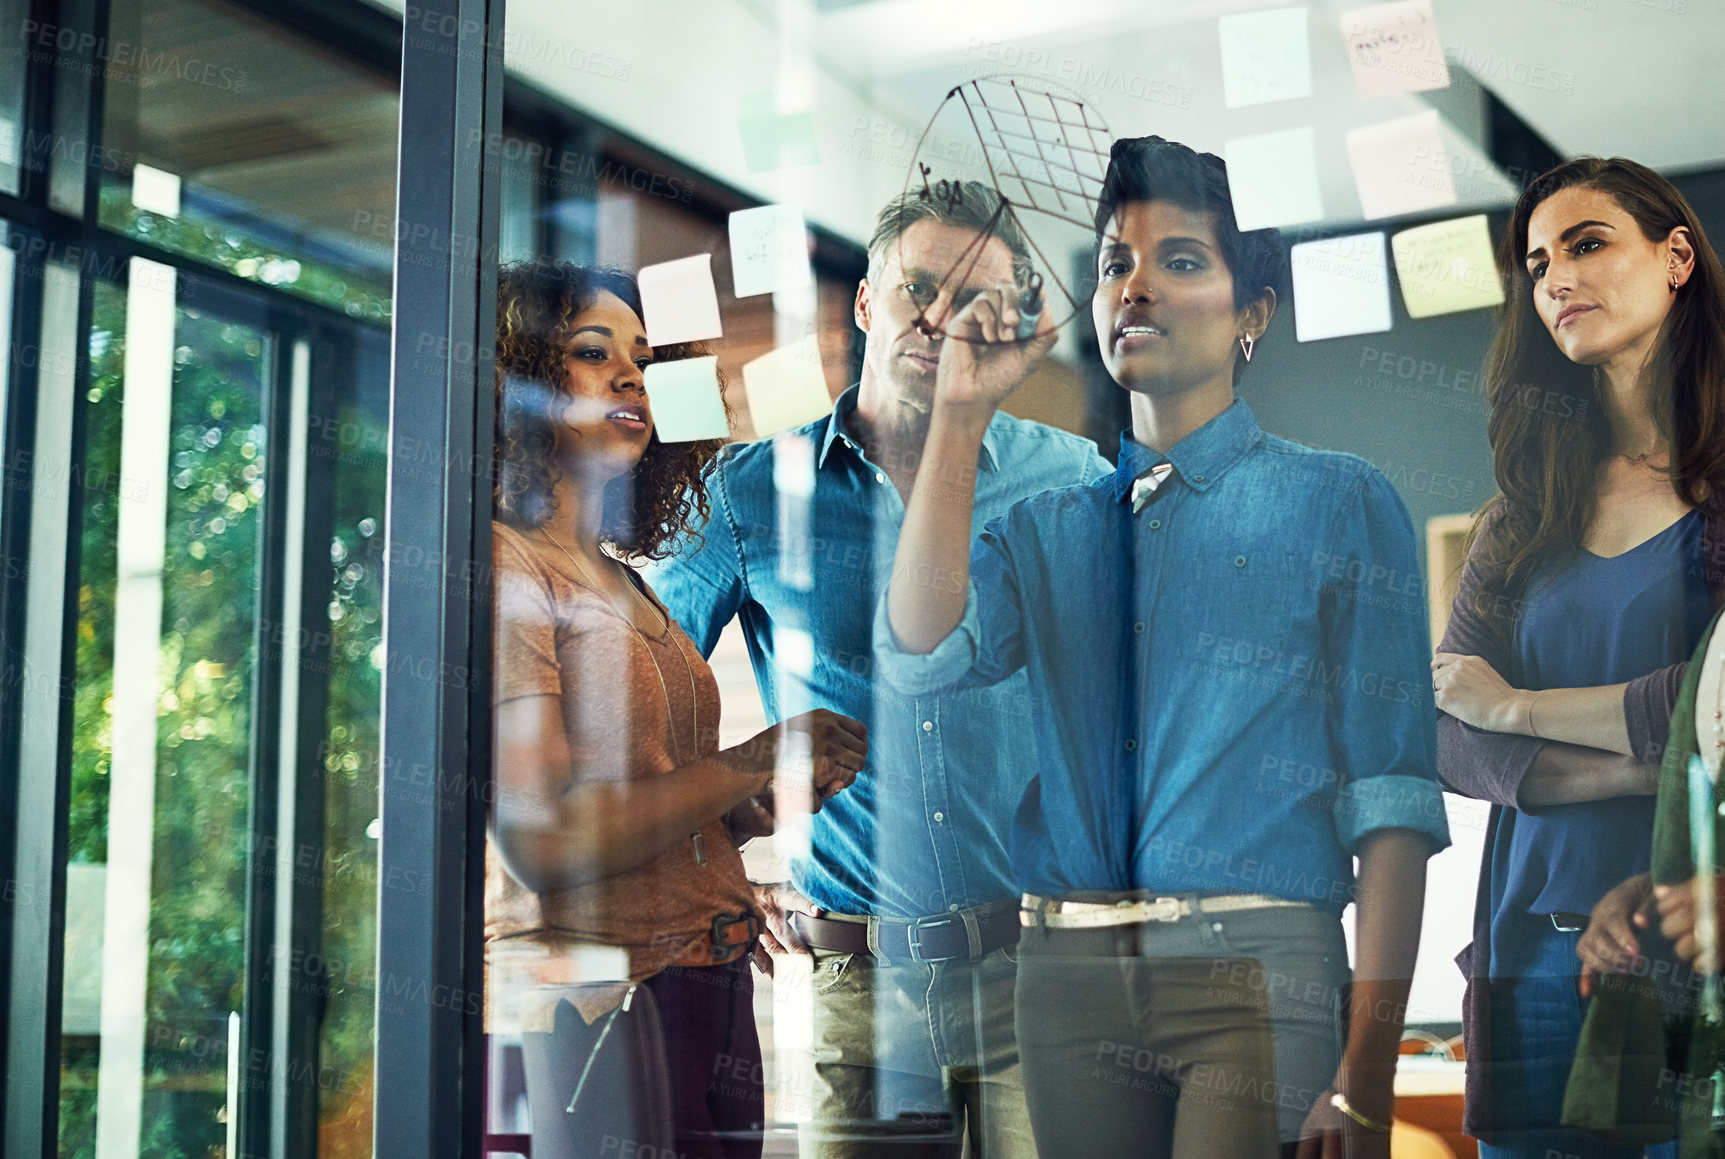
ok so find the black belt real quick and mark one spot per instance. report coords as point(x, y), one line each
point(936, 938)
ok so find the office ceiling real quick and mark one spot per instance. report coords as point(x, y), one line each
point(1630, 77)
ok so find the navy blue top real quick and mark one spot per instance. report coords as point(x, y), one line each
point(1587, 622)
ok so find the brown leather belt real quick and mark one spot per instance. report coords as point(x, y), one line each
point(936, 938)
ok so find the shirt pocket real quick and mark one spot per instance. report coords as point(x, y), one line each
point(1236, 606)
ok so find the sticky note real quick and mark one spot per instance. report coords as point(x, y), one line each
point(1401, 166)
point(786, 388)
point(769, 250)
point(1341, 287)
point(156, 190)
point(679, 300)
point(1446, 267)
point(1274, 179)
point(686, 402)
point(1394, 48)
point(1265, 57)
point(773, 139)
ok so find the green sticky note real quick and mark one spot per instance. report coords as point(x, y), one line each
point(775, 140)
point(687, 406)
point(1447, 267)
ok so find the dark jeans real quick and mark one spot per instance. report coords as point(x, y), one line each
point(687, 1082)
point(1536, 1015)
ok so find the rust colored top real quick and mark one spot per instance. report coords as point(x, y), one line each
point(557, 636)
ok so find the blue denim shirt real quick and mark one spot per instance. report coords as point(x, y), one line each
point(924, 828)
point(1229, 689)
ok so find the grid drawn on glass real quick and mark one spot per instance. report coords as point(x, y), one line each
point(1007, 150)
point(1021, 136)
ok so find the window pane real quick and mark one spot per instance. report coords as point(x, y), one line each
point(162, 730)
point(240, 145)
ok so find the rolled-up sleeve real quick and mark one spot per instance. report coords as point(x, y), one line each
point(1647, 704)
point(985, 648)
point(1382, 716)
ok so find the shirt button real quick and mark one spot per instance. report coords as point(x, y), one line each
point(940, 817)
point(928, 726)
point(1138, 627)
point(879, 478)
point(953, 908)
point(1154, 524)
point(1239, 561)
point(1131, 745)
point(1197, 478)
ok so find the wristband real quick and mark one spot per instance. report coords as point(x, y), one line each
point(1340, 1102)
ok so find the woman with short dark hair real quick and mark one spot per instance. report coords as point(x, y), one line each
point(1223, 724)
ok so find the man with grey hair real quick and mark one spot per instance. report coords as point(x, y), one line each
point(904, 904)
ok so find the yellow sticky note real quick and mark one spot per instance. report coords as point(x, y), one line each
point(685, 399)
point(786, 388)
point(1447, 267)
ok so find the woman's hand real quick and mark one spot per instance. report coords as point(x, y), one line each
point(827, 749)
point(1608, 945)
point(1329, 1134)
point(1470, 690)
point(1677, 914)
point(752, 819)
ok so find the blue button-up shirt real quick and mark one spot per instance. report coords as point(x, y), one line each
point(924, 828)
point(1229, 689)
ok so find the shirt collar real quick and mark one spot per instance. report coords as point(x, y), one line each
point(837, 431)
point(1200, 458)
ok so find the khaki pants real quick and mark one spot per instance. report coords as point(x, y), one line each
point(1211, 1036)
point(910, 1058)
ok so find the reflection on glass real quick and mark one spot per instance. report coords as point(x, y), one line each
point(162, 723)
point(233, 143)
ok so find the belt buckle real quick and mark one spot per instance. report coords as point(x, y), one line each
point(1561, 928)
point(914, 936)
point(1164, 909)
point(716, 932)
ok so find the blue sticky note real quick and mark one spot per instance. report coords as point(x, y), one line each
point(687, 406)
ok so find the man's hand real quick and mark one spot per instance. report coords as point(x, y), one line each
point(982, 359)
point(1469, 689)
point(778, 902)
point(1608, 945)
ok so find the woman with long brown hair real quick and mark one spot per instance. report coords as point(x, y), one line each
point(1588, 583)
point(614, 886)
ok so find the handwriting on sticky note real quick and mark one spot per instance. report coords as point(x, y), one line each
point(1447, 267)
point(769, 250)
point(1273, 178)
point(1401, 166)
point(786, 388)
point(1341, 287)
point(687, 405)
point(679, 300)
point(1394, 48)
point(1265, 56)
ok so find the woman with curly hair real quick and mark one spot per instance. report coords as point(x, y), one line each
point(617, 819)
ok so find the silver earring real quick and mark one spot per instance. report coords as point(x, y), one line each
point(1673, 283)
point(1246, 344)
